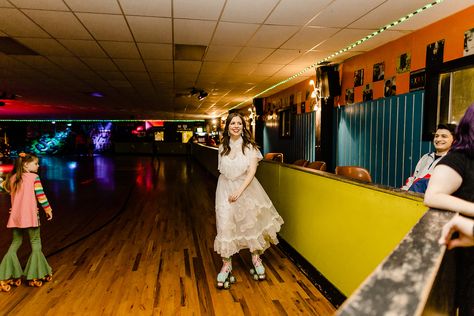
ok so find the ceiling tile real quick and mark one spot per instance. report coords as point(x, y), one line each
point(94, 6)
point(241, 68)
point(59, 24)
point(209, 67)
point(69, 63)
point(386, 13)
point(137, 76)
point(309, 37)
point(120, 84)
point(204, 9)
point(343, 39)
point(43, 5)
point(233, 34)
point(155, 51)
point(247, 11)
point(159, 65)
point(121, 49)
point(340, 13)
point(296, 12)
point(272, 36)
point(221, 53)
point(266, 69)
point(162, 79)
point(15, 23)
point(147, 7)
point(83, 48)
point(37, 62)
point(310, 57)
point(151, 29)
point(45, 46)
point(5, 4)
point(106, 27)
point(130, 64)
point(100, 64)
point(253, 54)
point(283, 56)
point(187, 66)
point(111, 75)
point(201, 31)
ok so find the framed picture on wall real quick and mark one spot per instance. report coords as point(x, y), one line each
point(468, 42)
point(350, 96)
point(403, 63)
point(390, 88)
point(379, 71)
point(367, 94)
point(417, 80)
point(358, 77)
point(434, 54)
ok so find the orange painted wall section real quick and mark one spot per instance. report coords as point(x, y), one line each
point(280, 100)
point(451, 29)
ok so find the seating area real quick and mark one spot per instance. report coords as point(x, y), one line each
point(301, 162)
point(317, 165)
point(354, 172)
point(274, 156)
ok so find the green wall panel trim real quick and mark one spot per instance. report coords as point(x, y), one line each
point(338, 224)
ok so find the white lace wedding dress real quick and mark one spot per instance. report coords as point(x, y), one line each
point(252, 221)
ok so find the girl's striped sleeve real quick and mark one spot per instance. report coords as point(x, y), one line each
point(40, 196)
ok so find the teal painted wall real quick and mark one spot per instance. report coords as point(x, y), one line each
point(383, 136)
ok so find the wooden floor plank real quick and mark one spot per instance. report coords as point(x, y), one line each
point(139, 241)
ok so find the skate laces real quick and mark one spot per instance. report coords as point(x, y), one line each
point(226, 266)
point(256, 260)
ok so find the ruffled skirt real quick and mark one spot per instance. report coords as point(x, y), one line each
point(251, 222)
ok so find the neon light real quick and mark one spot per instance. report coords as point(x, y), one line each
point(351, 46)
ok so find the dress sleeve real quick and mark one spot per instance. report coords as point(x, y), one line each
point(253, 152)
point(40, 196)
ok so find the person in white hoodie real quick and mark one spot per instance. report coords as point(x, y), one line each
point(442, 141)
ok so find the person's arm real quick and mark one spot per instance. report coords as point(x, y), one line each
point(41, 197)
point(462, 225)
point(443, 183)
point(250, 174)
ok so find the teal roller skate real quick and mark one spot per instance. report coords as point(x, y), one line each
point(258, 270)
point(225, 277)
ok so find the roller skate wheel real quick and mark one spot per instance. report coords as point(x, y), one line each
point(38, 283)
point(48, 278)
point(17, 282)
point(6, 287)
point(232, 279)
point(255, 277)
point(252, 271)
point(226, 285)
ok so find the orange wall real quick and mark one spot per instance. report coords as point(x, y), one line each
point(281, 99)
point(451, 29)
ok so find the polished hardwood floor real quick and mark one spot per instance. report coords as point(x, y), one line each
point(134, 236)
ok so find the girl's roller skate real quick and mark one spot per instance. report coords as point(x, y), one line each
point(40, 281)
point(16, 282)
point(225, 277)
point(258, 270)
point(4, 286)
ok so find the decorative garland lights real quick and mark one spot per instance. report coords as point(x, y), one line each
point(351, 46)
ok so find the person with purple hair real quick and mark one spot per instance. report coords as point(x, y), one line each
point(451, 187)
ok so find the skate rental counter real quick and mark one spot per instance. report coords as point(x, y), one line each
point(371, 248)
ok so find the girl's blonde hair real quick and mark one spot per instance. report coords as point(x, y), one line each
point(18, 170)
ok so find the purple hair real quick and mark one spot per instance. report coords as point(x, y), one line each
point(465, 133)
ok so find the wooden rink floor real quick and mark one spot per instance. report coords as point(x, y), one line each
point(134, 236)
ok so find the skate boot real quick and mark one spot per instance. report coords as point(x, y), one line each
point(225, 277)
point(47, 278)
point(4, 286)
point(16, 282)
point(35, 282)
point(258, 270)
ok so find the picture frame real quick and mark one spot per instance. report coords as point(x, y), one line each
point(378, 72)
point(403, 63)
point(417, 80)
point(350, 96)
point(434, 54)
point(468, 42)
point(358, 77)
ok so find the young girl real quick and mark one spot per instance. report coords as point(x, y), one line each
point(245, 216)
point(25, 188)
